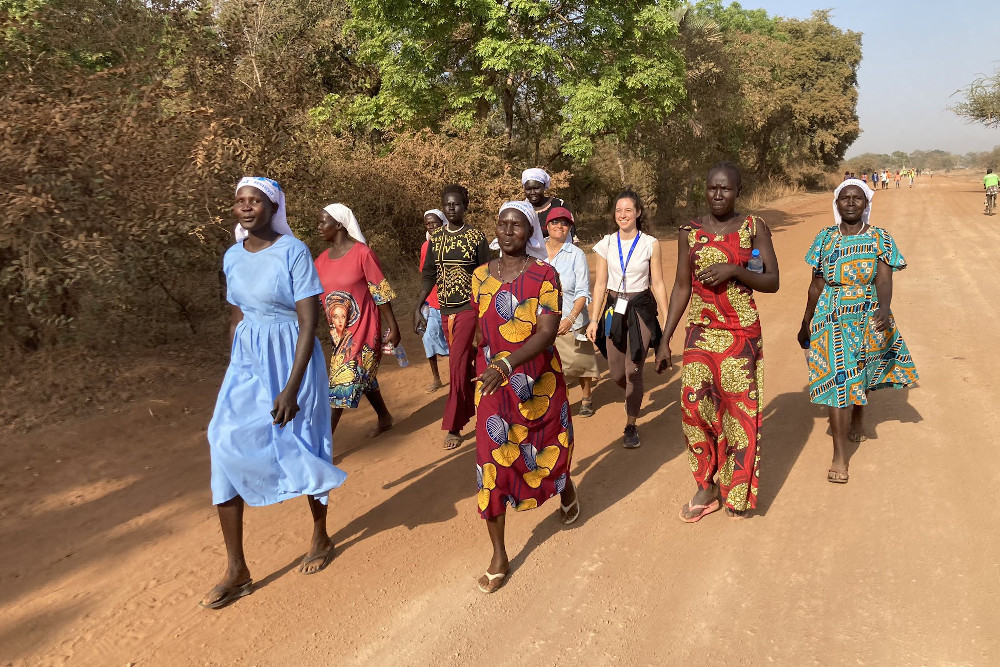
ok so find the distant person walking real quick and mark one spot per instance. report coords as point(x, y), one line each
point(454, 252)
point(897, 179)
point(357, 301)
point(912, 172)
point(270, 438)
point(721, 380)
point(884, 178)
point(524, 433)
point(629, 296)
point(434, 341)
point(848, 327)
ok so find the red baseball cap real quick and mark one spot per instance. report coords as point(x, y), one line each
point(560, 212)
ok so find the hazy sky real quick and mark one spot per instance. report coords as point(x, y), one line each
point(916, 54)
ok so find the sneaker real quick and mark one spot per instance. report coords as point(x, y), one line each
point(632, 437)
point(586, 408)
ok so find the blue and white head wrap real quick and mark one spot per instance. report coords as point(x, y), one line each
point(273, 191)
point(869, 193)
point(536, 243)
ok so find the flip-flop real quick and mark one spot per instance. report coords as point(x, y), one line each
point(837, 477)
point(702, 509)
point(452, 441)
point(229, 595)
point(326, 557)
point(567, 508)
point(733, 514)
point(490, 578)
point(857, 437)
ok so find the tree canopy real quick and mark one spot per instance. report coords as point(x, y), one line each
point(982, 101)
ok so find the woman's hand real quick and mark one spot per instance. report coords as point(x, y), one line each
point(717, 274)
point(663, 361)
point(285, 407)
point(880, 320)
point(803, 335)
point(492, 380)
point(393, 335)
point(564, 327)
point(592, 331)
point(418, 323)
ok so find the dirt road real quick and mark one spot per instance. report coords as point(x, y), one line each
point(108, 537)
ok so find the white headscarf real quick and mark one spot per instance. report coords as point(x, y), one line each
point(439, 214)
point(273, 191)
point(536, 243)
point(345, 216)
point(869, 193)
point(536, 174)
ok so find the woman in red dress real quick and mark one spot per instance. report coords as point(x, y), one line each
point(356, 298)
point(723, 349)
point(524, 436)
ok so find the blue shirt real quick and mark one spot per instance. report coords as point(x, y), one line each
point(574, 274)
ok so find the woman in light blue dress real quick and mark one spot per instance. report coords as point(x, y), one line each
point(270, 436)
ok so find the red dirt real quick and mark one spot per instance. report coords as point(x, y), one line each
point(108, 538)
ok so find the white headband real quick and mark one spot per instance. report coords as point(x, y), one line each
point(273, 191)
point(345, 216)
point(869, 193)
point(536, 174)
point(439, 214)
point(536, 243)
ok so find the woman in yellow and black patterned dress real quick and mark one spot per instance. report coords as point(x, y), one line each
point(723, 349)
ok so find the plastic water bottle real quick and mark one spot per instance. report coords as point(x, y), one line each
point(400, 355)
point(756, 264)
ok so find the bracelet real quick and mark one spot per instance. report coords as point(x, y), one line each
point(495, 366)
point(510, 369)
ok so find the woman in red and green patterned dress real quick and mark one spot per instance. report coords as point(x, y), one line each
point(723, 351)
point(524, 436)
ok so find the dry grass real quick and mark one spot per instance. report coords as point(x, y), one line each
point(767, 192)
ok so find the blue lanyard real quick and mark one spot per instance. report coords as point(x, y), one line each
point(625, 260)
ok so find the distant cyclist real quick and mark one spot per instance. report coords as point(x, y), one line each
point(991, 183)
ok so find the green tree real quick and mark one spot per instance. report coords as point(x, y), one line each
point(583, 69)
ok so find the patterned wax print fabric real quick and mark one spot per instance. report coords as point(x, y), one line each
point(353, 289)
point(251, 457)
point(722, 376)
point(524, 436)
point(847, 357)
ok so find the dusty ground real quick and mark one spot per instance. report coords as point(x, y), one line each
point(108, 537)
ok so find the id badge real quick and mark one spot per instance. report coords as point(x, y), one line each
point(620, 305)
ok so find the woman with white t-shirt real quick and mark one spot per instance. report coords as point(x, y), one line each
point(629, 296)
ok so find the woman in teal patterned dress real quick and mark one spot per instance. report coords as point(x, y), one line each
point(854, 346)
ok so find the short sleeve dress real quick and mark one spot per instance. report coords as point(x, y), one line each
point(251, 457)
point(524, 436)
point(847, 357)
point(353, 289)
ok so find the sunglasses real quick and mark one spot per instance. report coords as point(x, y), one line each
point(562, 222)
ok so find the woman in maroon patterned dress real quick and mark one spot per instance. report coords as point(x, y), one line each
point(723, 350)
point(524, 437)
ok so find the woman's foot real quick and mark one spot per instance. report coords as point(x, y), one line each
point(569, 505)
point(383, 425)
point(320, 554)
point(495, 576)
point(233, 586)
point(434, 385)
point(586, 407)
point(856, 432)
point(704, 502)
point(452, 440)
point(736, 514)
point(631, 439)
